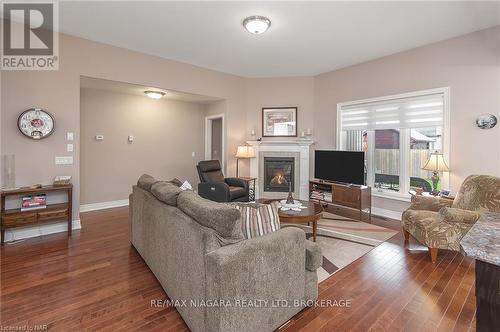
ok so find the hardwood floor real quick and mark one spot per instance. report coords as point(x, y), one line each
point(96, 281)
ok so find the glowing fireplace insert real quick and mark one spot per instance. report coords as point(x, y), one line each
point(278, 174)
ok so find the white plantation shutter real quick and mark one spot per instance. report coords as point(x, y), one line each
point(412, 112)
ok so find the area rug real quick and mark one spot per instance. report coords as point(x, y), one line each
point(343, 240)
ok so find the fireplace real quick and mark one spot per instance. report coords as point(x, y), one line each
point(279, 174)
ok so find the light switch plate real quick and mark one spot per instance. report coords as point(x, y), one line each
point(68, 160)
point(70, 136)
point(99, 137)
point(69, 147)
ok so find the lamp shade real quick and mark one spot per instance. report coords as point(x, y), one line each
point(436, 163)
point(245, 151)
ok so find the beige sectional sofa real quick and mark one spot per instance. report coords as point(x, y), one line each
point(221, 281)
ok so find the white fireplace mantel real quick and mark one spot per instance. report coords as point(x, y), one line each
point(300, 148)
point(300, 142)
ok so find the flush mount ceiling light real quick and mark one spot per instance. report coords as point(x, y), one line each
point(154, 94)
point(256, 24)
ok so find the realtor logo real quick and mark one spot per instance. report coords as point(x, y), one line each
point(28, 38)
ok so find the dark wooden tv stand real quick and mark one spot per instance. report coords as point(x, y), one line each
point(351, 196)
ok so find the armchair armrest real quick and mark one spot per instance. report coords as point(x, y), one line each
point(235, 182)
point(429, 203)
point(214, 191)
point(459, 215)
point(269, 269)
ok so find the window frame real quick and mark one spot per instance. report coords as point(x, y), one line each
point(404, 143)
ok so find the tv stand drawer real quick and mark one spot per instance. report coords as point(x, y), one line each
point(18, 220)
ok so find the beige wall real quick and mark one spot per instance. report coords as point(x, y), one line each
point(165, 132)
point(59, 93)
point(469, 65)
point(279, 92)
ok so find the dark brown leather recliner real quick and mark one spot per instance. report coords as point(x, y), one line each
point(215, 187)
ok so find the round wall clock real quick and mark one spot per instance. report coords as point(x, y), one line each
point(36, 123)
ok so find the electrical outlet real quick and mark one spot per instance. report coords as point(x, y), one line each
point(70, 136)
point(99, 137)
point(193, 154)
point(69, 147)
point(64, 160)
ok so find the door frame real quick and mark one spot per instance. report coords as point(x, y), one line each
point(208, 138)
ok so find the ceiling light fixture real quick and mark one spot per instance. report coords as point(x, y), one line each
point(256, 24)
point(154, 94)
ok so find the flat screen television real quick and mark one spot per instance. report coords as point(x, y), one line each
point(340, 166)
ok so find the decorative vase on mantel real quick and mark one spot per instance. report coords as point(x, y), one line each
point(289, 199)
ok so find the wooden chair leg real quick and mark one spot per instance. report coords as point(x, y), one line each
point(434, 254)
point(406, 234)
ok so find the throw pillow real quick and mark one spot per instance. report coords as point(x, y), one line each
point(258, 219)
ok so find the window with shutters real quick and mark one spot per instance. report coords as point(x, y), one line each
point(397, 134)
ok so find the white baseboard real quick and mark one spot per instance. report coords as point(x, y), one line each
point(103, 205)
point(16, 234)
point(386, 213)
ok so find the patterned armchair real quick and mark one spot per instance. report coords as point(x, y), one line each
point(440, 223)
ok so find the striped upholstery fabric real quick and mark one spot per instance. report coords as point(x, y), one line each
point(258, 219)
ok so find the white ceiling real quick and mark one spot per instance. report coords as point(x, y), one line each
point(305, 38)
point(138, 90)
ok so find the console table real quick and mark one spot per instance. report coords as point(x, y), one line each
point(14, 218)
point(482, 243)
point(345, 195)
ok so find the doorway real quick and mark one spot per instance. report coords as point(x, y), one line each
point(214, 138)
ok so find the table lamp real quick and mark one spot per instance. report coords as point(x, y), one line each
point(244, 152)
point(436, 164)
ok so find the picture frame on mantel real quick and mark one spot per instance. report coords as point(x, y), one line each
point(279, 122)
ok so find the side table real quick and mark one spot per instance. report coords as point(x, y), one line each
point(251, 186)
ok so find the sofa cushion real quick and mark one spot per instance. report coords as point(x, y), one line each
point(166, 192)
point(430, 229)
point(258, 219)
point(222, 218)
point(146, 181)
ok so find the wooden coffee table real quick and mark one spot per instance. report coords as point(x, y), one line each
point(311, 215)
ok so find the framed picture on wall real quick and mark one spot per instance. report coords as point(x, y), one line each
point(279, 122)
